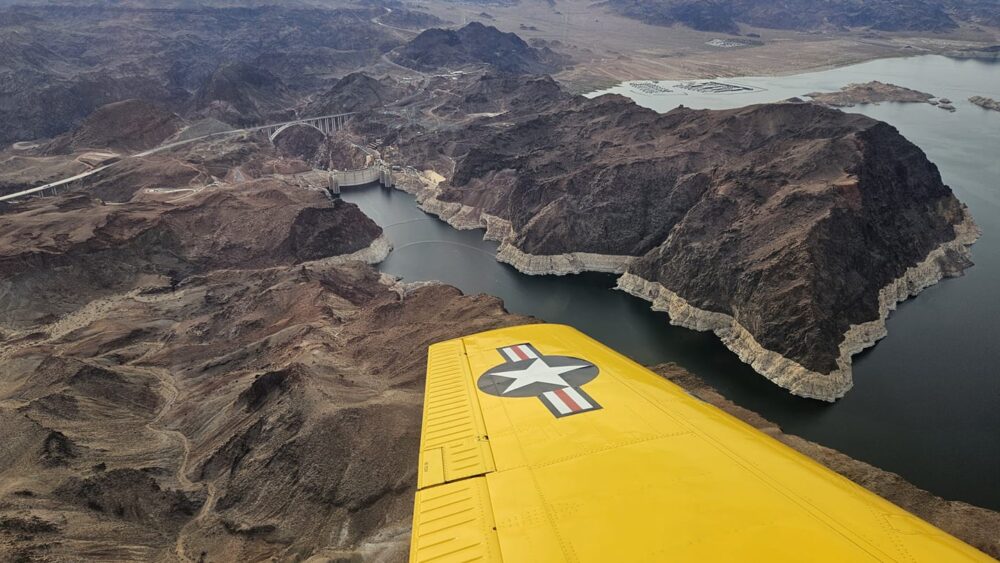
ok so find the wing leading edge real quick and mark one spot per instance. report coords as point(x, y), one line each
point(540, 444)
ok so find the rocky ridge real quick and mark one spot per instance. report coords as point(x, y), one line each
point(475, 43)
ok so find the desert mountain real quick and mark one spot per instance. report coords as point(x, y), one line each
point(435, 49)
point(128, 126)
point(356, 92)
point(93, 248)
point(243, 94)
point(62, 62)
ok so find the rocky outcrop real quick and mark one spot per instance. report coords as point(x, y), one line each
point(873, 92)
point(321, 151)
point(377, 251)
point(985, 103)
point(788, 229)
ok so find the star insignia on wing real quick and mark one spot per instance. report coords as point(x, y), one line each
point(537, 372)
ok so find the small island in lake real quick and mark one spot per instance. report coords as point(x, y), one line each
point(985, 103)
point(870, 93)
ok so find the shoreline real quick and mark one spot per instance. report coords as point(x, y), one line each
point(606, 86)
point(374, 253)
point(785, 372)
point(790, 71)
point(941, 262)
point(587, 78)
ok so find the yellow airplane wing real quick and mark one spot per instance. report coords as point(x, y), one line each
point(540, 444)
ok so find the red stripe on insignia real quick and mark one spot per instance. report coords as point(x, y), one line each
point(520, 354)
point(567, 399)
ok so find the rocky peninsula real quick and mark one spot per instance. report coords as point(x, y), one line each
point(783, 228)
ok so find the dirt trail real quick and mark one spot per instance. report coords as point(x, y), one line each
point(205, 510)
point(172, 393)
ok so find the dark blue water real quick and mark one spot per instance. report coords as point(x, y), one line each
point(926, 400)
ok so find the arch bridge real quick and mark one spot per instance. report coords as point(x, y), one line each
point(326, 124)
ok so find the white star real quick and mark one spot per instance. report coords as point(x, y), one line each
point(537, 372)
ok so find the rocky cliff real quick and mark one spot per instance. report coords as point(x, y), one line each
point(323, 152)
point(788, 229)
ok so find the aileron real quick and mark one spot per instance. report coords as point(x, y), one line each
point(453, 442)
